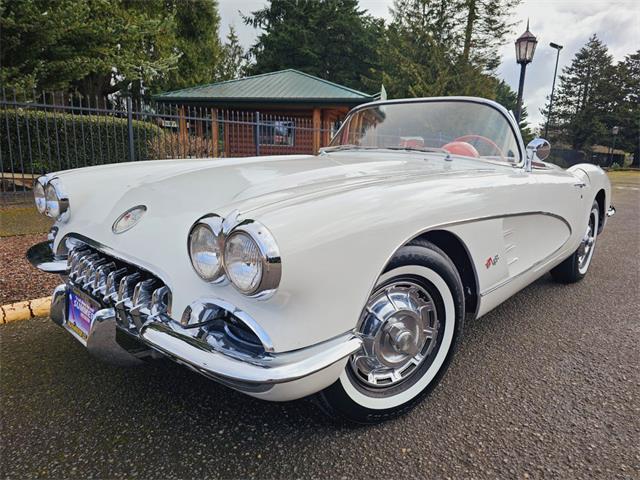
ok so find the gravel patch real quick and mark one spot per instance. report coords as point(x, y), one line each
point(18, 279)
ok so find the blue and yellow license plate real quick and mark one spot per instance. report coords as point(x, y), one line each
point(80, 310)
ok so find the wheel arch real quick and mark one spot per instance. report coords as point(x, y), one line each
point(601, 199)
point(455, 248)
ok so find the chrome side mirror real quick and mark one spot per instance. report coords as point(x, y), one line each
point(538, 149)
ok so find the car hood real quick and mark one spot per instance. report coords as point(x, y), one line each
point(207, 185)
point(178, 192)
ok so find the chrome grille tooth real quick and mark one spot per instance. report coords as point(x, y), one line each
point(82, 265)
point(127, 284)
point(160, 300)
point(113, 281)
point(100, 277)
point(142, 293)
point(90, 272)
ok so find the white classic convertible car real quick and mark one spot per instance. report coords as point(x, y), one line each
point(348, 275)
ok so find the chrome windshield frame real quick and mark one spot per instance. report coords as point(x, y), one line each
point(476, 100)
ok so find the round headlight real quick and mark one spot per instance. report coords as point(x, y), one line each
point(252, 259)
point(52, 201)
point(243, 262)
point(205, 249)
point(38, 196)
point(56, 203)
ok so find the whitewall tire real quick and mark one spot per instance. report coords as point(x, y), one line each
point(410, 327)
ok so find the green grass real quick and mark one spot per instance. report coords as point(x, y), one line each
point(22, 220)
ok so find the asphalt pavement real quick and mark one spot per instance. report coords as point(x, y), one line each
point(547, 385)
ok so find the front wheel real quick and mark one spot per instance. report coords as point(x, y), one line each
point(410, 327)
point(574, 268)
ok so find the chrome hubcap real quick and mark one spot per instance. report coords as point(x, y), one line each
point(584, 250)
point(399, 328)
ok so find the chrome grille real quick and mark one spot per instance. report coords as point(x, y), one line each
point(133, 292)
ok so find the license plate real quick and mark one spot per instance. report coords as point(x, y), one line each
point(80, 310)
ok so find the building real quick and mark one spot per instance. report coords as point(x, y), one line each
point(274, 113)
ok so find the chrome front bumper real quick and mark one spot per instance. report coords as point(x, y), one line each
point(234, 368)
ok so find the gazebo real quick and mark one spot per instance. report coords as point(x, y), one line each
point(280, 112)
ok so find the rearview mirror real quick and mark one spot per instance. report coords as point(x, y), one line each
point(537, 150)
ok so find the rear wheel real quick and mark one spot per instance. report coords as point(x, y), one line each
point(574, 268)
point(410, 328)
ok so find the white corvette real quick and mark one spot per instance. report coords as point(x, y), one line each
point(348, 275)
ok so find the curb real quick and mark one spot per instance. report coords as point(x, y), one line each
point(14, 312)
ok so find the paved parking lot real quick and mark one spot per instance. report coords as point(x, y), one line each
point(547, 385)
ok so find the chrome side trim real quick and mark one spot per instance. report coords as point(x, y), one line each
point(535, 266)
point(445, 225)
point(269, 369)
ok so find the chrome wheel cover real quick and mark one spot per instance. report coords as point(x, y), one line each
point(399, 328)
point(585, 250)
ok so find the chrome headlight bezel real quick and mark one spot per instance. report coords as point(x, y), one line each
point(39, 197)
point(226, 228)
point(271, 264)
point(58, 207)
point(213, 223)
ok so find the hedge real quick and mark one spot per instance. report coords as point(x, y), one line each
point(40, 142)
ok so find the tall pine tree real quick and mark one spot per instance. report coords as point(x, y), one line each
point(331, 39)
point(585, 98)
point(627, 108)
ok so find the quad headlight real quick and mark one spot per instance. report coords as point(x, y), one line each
point(205, 248)
point(49, 198)
point(38, 195)
point(246, 255)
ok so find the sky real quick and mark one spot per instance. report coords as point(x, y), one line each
point(569, 23)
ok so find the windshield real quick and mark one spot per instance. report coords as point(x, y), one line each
point(460, 128)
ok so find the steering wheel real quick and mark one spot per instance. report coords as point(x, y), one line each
point(487, 141)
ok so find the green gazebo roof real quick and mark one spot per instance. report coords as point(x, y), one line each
point(285, 86)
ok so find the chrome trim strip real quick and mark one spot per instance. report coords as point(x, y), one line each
point(445, 225)
point(535, 266)
point(269, 369)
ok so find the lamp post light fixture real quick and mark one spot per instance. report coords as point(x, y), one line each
point(525, 48)
point(553, 87)
point(614, 133)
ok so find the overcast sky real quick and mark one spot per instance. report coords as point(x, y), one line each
point(567, 22)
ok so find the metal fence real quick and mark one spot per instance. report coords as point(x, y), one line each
point(45, 132)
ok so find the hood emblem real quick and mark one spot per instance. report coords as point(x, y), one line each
point(128, 219)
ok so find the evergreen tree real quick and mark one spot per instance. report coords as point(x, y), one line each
point(331, 39)
point(196, 34)
point(233, 62)
point(98, 47)
point(627, 109)
point(586, 96)
point(486, 26)
point(441, 47)
point(508, 98)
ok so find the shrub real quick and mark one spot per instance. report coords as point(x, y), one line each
point(168, 145)
point(41, 142)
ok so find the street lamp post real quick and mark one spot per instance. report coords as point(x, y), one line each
point(553, 87)
point(614, 134)
point(525, 48)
